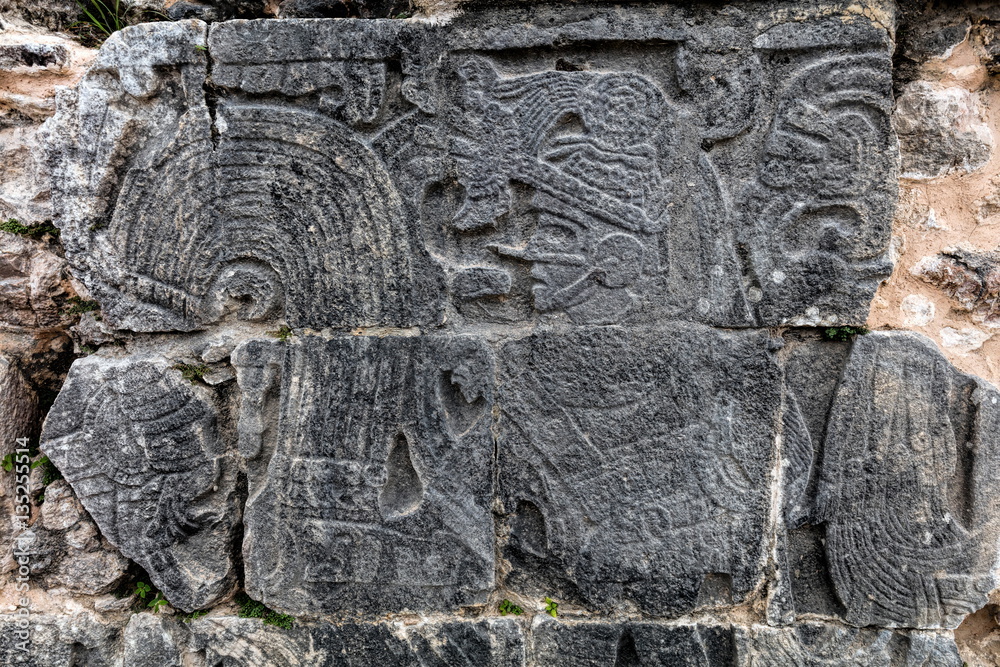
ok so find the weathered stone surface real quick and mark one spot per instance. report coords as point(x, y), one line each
point(821, 645)
point(634, 465)
point(245, 642)
point(941, 130)
point(562, 644)
point(57, 640)
point(153, 640)
point(141, 448)
point(573, 644)
point(895, 516)
point(65, 549)
point(970, 278)
point(371, 469)
point(34, 284)
point(610, 166)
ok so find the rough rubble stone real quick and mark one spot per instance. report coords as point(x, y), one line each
point(636, 465)
point(893, 518)
point(142, 449)
point(603, 165)
point(58, 640)
point(970, 278)
point(385, 506)
point(941, 130)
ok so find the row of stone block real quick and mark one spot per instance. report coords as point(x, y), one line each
point(593, 165)
point(664, 469)
point(159, 641)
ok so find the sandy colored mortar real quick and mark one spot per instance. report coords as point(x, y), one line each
point(956, 200)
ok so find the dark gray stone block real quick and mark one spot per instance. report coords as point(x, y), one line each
point(890, 509)
point(907, 486)
point(594, 164)
point(236, 642)
point(827, 645)
point(574, 644)
point(371, 472)
point(141, 448)
point(708, 644)
point(634, 466)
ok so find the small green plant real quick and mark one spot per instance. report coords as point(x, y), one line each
point(508, 607)
point(158, 602)
point(78, 306)
point(35, 231)
point(142, 588)
point(201, 47)
point(402, 15)
point(86, 350)
point(104, 16)
point(250, 608)
point(193, 616)
point(283, 333)
point(8, 462)
point(844, 333)
point(50, 472)
point(551, 607)
point(193, 373)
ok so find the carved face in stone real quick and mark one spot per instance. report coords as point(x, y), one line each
point(584, 271)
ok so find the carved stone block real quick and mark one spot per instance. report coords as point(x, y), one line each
point(891, 503)
point(371, 472)
point(141, 448)
point(634, 465)
point(593, 164)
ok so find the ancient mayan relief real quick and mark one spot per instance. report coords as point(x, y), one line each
point(143, 452)
point(386, 173)
point(370, 470)
point(901, 486)
point(632, 473)
point(540, 284)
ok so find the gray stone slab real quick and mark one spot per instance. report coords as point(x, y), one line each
point(593, 164)
point(370, 465)
point(634, 466)
point(596, 644)
point(712, 644)
point(237, 642)
point(142, 449)
point(907, 486)
point(890, 499)
point(829, 645)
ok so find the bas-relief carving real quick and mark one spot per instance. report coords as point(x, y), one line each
point(630, 475)
point(618, 167)
point(371, 472)
point(143, 451)
point(372, 173)
point(889, 498)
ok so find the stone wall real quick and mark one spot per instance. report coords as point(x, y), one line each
point(501, 334)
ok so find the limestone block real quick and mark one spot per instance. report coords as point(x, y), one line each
point(370, 466)
point(895, 520)
point(141, 448)
point(515, 164)
point(941, 130)
point(248, 643)
point(635, 465)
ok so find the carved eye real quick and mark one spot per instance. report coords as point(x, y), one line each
point(556, 237)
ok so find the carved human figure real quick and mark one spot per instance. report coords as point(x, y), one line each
point(598, 187)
